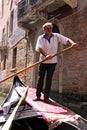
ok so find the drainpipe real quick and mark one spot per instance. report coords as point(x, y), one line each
point(61, 73)
point(26, 38)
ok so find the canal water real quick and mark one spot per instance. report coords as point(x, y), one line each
point(76, 103)
point(1, 99)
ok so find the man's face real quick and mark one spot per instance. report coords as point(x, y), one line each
point(48, 30)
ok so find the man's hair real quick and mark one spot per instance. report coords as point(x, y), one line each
point(46, 24)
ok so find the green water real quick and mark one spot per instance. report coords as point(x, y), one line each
point(1, 100)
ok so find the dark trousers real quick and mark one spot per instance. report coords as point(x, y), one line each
point(47, 69)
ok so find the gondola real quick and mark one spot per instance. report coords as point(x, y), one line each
point(31, 117)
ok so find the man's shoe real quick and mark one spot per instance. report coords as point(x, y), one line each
point(47, 100)
point(36, 99)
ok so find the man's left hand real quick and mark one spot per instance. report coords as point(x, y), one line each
point(75, 44)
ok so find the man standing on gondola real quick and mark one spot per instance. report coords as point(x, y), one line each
point(47, 45)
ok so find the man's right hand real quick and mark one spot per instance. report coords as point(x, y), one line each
point(49, 57)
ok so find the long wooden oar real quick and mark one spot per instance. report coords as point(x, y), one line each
point(33, 65)
point(8, 123)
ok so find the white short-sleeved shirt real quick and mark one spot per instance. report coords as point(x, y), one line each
point(50, 47)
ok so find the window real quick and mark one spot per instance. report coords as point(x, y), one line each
point(7, 29)
point(3, 37)
point(11, 22)
point(14, 57)
point(2, 8)
point(5, 33)
point(4, 62)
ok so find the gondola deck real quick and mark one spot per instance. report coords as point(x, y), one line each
point(53, 113)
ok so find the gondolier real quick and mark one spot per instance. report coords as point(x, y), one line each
point(47, 45)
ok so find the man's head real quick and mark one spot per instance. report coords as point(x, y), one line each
point(47, 27)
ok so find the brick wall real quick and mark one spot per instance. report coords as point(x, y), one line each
point(74, 61)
